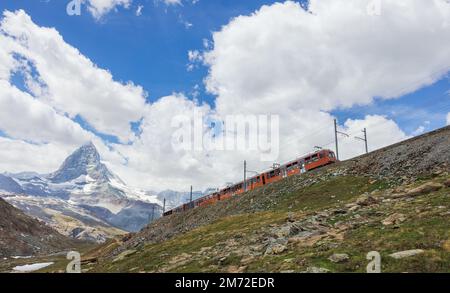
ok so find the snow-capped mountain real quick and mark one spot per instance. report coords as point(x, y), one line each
point(177, 198)
point(82, 195)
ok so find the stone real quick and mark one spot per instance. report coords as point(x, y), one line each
point(180, 259)
point(447, 182)
point(421, 190)
point(222, 260)
point(316, 270)
point(276, 248)
point(236, 269)
point(394, 219)
point(354, 208)
point(366, 200)
point(339, 257)
point(406, 253)
point(446, 245)
point(339, 212)
point(291, 217)
point(282, 232)
point(247, 260)
point(124, 255)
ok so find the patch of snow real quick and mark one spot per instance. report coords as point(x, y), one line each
point(32, 267)
point(21, 257)
point(133, 193)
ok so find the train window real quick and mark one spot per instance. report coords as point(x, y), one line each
point(274, 173)
point(292, 166)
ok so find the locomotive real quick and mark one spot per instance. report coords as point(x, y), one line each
point(299, 166)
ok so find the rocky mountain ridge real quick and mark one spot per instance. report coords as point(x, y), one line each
point(23, 236)
point(82, 199)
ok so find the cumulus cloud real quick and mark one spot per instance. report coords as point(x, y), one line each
point(38, 118)
point(381, 132)
point(172, 2)
point(26, 118)
point(139, 10)
point(19, 156)
point(333, 55)
point(66, 80)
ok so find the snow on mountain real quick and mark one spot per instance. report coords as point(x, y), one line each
point(177, 198)
point(9, 185)
point(84, 190)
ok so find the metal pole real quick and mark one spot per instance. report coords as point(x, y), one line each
point(336, 139)
point(164, 206)
point(365, 139)
point(245, 176)
point(153, 212)
point(190, 198)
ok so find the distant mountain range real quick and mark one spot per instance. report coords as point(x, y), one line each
point(82, 199)
point(177, 198)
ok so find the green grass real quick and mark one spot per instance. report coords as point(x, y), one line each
point(426, 230)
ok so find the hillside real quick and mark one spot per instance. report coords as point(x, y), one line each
point(392, 200)
point(21, 235)
point(83, 199)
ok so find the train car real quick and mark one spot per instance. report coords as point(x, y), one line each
point(301, 165)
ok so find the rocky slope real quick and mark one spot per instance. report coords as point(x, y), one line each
point(82, 199)
point(395, 201)
point(21, 235)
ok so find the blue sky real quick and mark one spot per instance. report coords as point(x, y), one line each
point(151, 51)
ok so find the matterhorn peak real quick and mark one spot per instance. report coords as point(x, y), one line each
point(88, 147)
point(83, 161)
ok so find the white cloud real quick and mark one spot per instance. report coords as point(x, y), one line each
point(420, 130)
point(19, 156)
point(381, 132)
point(172, 2)
point(68, 81)
point(40, 131)
point(98, 8)
point(26, 118)
point(448, 119)
point(153, 154)
point(334, 55)
point(139, 10)
point(178, 2)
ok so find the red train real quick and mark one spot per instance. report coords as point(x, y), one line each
point(304, 164)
